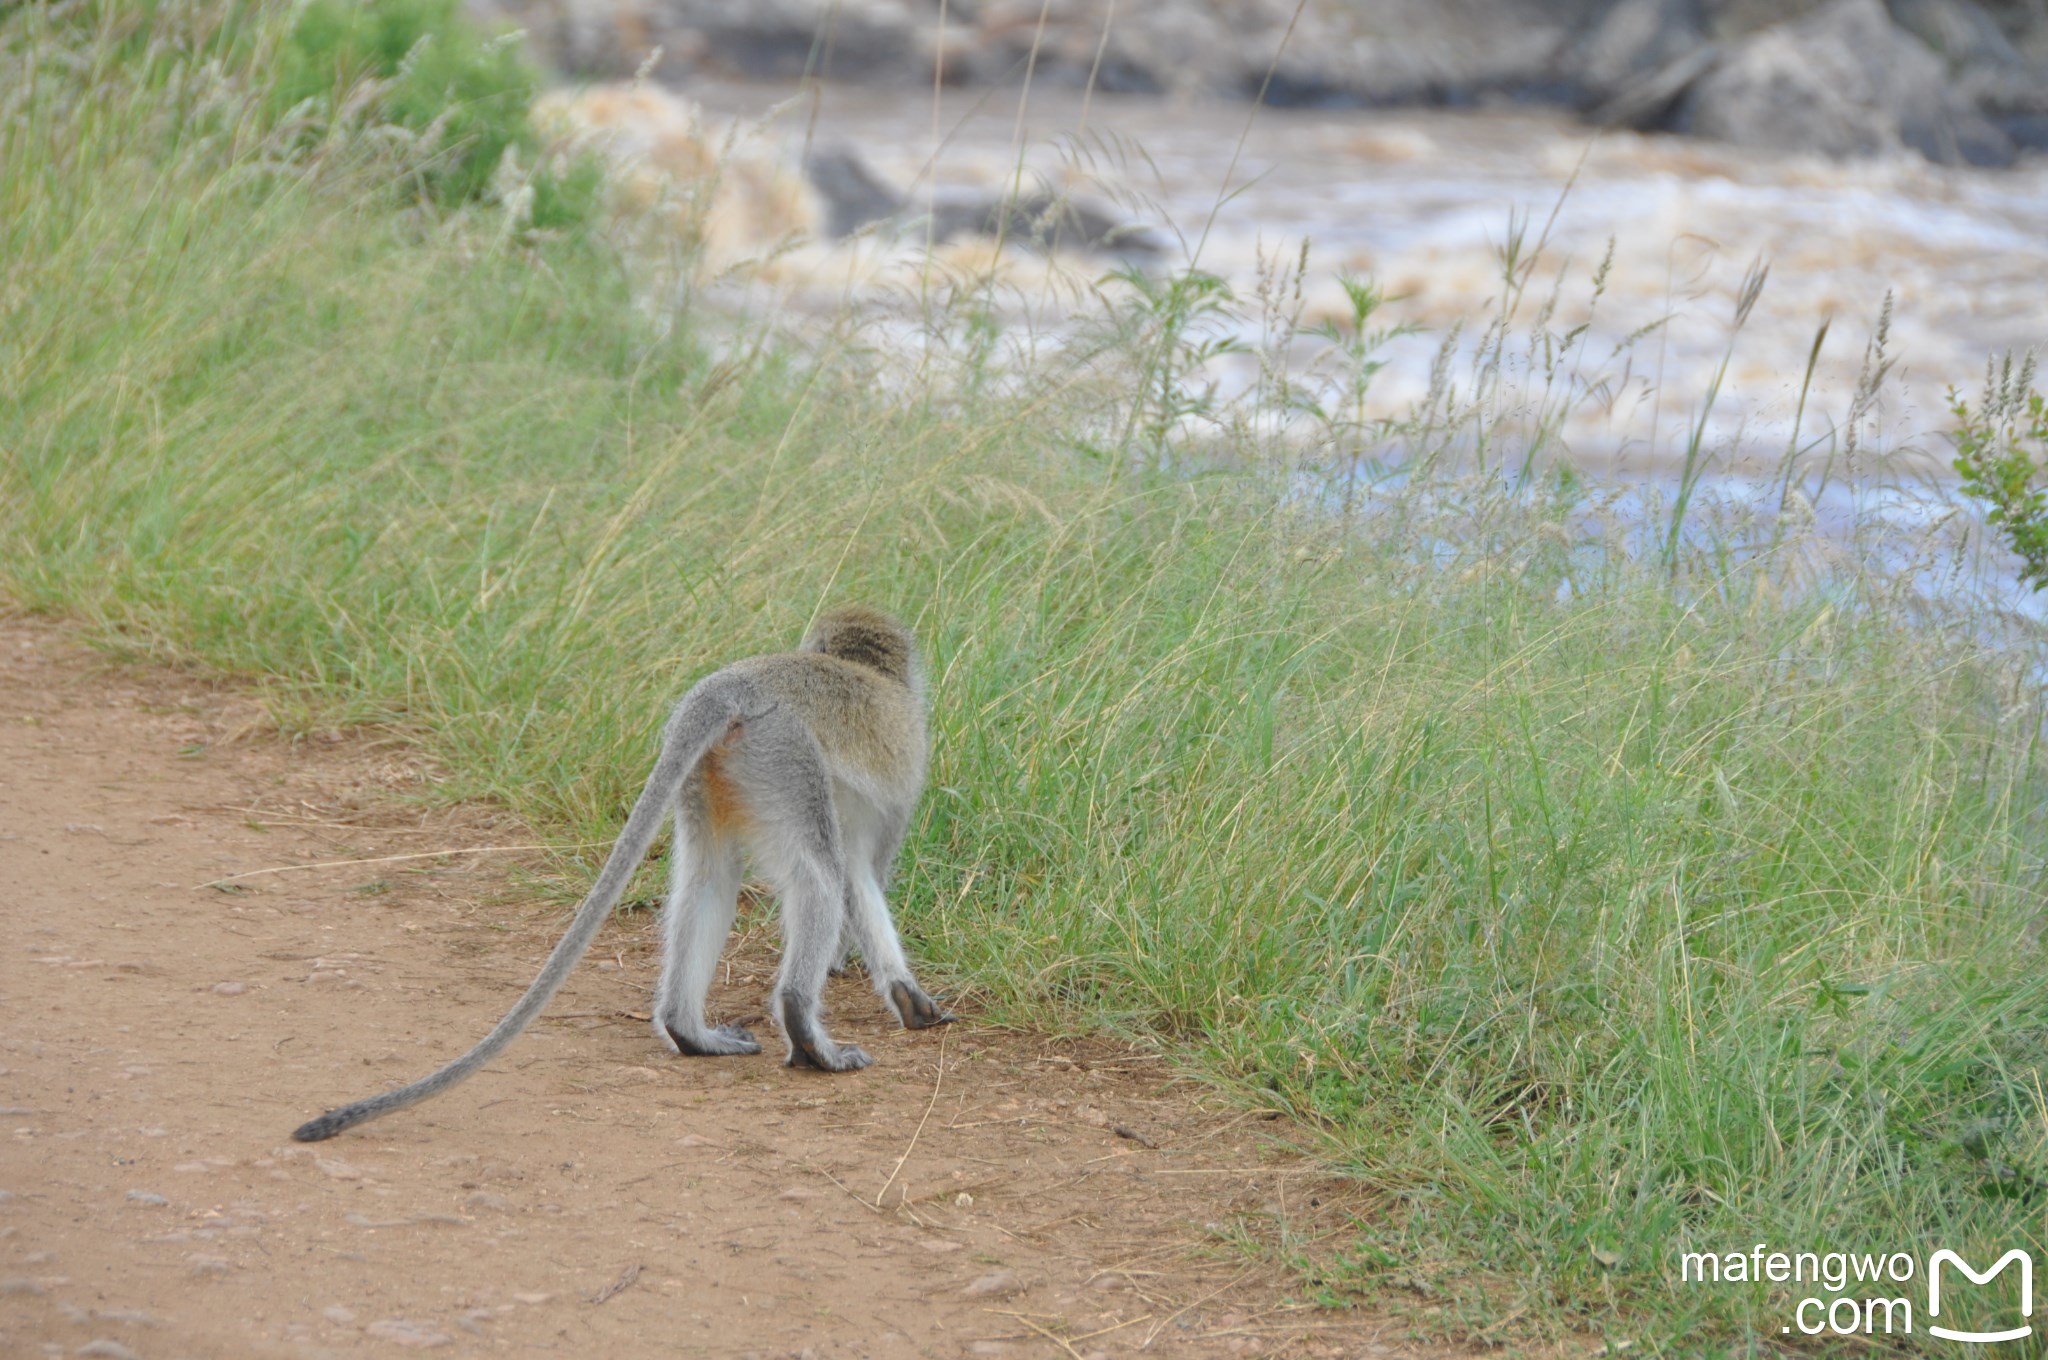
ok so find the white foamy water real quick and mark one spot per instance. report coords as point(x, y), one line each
point(1422, 202)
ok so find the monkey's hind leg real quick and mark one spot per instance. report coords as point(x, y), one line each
point(703, 894)
point(875, 932)
point(873, 838)
point(813, 891)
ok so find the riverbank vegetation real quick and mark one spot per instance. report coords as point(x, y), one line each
point(1585, 892)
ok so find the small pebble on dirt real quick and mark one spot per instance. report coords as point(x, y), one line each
point(230, 988)
point(338, 1315)
point(484, 1199)
point(108, 1350)
point(402, 1332)
point(993, 1285)
point(149, 1197)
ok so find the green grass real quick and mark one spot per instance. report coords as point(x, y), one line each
point(1581, 914)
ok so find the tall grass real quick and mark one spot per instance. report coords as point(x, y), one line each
point(1587, 905)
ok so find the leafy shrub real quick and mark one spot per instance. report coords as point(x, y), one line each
point(2002, 458)
point(420, 65)
point(438, 75)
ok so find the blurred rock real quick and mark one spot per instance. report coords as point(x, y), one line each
point(855, 197)
point(1963, 34)
point(1041, 220)
point(1842, 81)
point(1959, 80)
point(1633, 40)
point(1984, 64)
point(1334, 52)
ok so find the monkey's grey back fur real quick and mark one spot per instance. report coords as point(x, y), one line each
point(810, 760)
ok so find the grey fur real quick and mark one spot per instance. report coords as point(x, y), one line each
point(813, 761)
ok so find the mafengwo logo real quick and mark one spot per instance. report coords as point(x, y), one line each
point(1872, 1293)
point(2014, 1257)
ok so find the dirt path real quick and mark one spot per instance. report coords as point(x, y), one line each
point(587, 1195)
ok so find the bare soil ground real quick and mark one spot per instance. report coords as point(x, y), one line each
point(164, 1024)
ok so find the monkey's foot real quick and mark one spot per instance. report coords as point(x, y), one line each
point(915, 1009)
point(809, 1047)
point(842, 1058)
point(720, 1041)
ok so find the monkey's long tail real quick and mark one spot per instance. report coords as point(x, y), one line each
point(704, 716)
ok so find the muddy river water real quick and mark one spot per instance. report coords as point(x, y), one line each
point(1422, 203)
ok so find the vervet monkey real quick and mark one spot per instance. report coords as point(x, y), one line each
point(811, 760)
